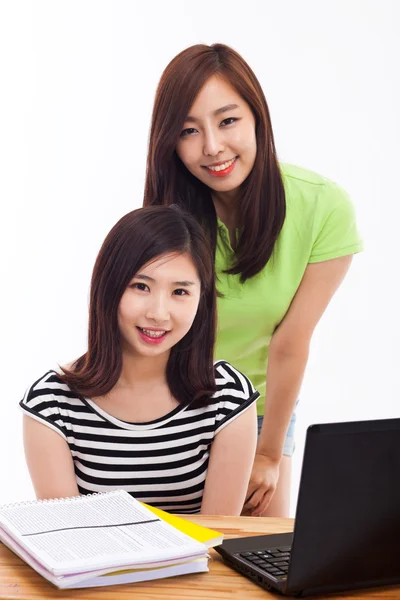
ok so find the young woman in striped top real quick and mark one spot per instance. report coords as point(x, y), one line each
point(145, 409)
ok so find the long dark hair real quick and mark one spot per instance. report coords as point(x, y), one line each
point(262, 206)
point(139, 237)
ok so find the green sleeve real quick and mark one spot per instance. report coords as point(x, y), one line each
point(335, 230)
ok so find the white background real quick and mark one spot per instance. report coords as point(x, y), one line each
point(77, 84)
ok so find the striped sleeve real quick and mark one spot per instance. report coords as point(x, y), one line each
point(235, 394)
point(43, 401)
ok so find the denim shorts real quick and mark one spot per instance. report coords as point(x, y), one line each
point(289, 445)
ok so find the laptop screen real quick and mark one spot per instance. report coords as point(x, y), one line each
point(347, 527)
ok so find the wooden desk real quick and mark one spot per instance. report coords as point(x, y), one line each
point(17, 580)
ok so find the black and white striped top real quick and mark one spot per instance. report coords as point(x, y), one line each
point(162, 462)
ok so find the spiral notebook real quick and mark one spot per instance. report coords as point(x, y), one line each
point(99, 539)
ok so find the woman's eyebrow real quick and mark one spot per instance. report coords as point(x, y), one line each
point(190, 119)
point(147, 278)
point(184, 283)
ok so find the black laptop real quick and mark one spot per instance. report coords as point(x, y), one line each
point(347, 525)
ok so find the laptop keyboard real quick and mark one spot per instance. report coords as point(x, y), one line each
point(274, 561)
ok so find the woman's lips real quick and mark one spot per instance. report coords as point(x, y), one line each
point(152, 340)
point(222, 172)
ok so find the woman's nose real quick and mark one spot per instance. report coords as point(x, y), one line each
point(157, 309)
point(213, 143)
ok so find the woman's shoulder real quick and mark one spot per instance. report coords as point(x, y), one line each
point(305, 189)
point(50, 401)
point(48, 388)
point(232, 382)
point(235, 393)
point(321, 213)
point(301, 175)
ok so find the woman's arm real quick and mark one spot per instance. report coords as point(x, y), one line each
point(49, 461)
point(287, 361)
point(229, 468)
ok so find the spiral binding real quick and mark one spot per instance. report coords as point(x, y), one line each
point(81, 498)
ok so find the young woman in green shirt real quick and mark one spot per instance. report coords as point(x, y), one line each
point(283, 238)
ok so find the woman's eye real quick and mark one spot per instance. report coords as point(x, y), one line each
point(140, 286)
point(187, 131)
point(228, 121)
point(180, 292)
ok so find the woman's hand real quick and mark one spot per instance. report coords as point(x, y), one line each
point(263, 481)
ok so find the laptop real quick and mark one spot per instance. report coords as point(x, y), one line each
point(347, 525)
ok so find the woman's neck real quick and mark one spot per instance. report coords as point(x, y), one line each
point(141, 370)
point(226, 207)
point(141, 394)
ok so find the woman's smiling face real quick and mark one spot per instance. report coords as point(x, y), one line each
point(159, 305)
point(218, 141)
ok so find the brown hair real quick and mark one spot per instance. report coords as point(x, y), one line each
point(262, 196)
point(139, 237)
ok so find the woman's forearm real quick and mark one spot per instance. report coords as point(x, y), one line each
point(284, 377)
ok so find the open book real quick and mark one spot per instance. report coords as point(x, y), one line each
point(101, 539)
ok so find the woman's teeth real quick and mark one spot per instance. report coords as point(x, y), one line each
point(153, 334)
point(222, 167)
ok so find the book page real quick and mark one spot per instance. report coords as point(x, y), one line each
point(94, 531)
point(82, 511)
point(196, 566)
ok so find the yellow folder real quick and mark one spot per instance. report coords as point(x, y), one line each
point(209, 537)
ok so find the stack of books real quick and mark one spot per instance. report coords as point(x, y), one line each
point(104, 539)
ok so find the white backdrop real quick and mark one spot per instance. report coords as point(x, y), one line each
point(77, 84)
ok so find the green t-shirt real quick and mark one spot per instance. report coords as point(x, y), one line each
point(320, 225)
